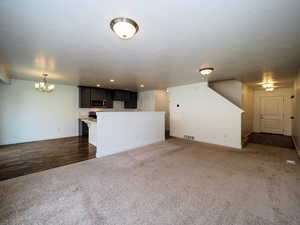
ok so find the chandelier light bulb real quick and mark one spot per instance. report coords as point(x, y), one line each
point(43, 85)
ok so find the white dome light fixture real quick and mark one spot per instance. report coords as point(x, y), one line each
point(206, 71)
point(125, 28)
point(43, 85)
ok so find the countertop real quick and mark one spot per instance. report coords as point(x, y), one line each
point(87, 119)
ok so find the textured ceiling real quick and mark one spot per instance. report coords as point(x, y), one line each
point(249, 40)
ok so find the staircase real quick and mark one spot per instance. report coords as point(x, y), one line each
point(240, 95)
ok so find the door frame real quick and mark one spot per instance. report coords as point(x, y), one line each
point(286, 93)
point(261, 103)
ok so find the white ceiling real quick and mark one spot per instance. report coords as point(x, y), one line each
point(71, 40)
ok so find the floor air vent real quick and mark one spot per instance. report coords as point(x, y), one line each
point(188, 137)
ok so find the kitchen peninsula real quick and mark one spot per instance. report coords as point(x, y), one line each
point(122, 131)
point(94, 99)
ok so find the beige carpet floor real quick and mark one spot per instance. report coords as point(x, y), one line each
point(175, 182)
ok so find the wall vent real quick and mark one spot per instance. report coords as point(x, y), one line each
point(188, 137)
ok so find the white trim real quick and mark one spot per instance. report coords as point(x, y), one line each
point(296, 146)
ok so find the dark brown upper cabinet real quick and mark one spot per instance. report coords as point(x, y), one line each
point(109, 98)
point(98, 94)
point(132, 102)
point(121, 95)
point(84, 97)
point(98, 97)
point(92, 97)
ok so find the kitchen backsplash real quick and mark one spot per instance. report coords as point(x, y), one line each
point(117, 107)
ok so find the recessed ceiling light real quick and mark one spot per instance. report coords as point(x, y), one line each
point(142, 85)
point(125, 28)
point(112, 80)
point(206, 71)
point(98, 85)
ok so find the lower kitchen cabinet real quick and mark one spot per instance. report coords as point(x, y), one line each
point(83, 129)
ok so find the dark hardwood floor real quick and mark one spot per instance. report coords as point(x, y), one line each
point(21, 159)
point(272, 139)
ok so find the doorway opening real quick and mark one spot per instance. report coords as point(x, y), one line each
point(273, 111)
point(273, 118)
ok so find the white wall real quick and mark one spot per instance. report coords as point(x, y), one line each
point(29, 115)
point(204, 114)
point(286, 93)
point(242, 96)
point(230, 89)
point(162, 105)
point(155, 100)
point(146, 101)
point(248, 107)
point(296, 113)
point(122, 131)
point(4, 78)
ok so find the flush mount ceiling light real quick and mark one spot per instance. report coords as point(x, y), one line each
point(206, 71)
point(125, 28)
point(98, 85)
point(267, 85)
point(112, 80)
point(43, 85)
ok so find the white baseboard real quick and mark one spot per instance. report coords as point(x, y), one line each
point(296, 146)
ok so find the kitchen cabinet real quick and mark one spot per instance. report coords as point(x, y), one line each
point(98, 97)
point(121, 95)
point(92, 97)
point(84, 97)
point(83, 129)
point(97, 94)
point(109, 98)
point(132, 102)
